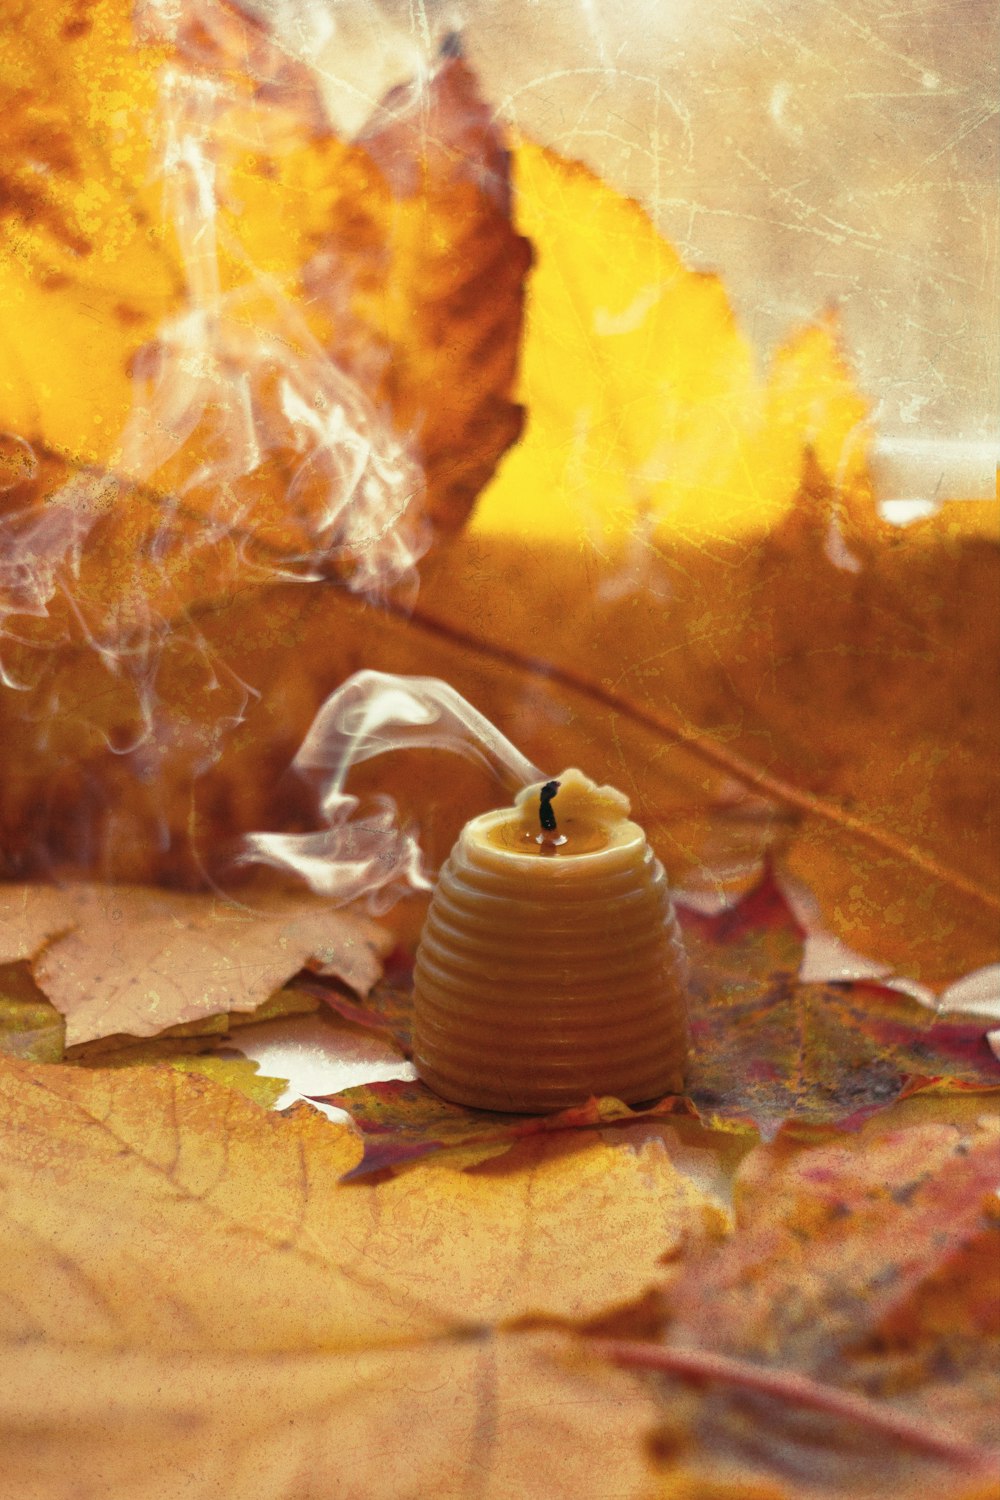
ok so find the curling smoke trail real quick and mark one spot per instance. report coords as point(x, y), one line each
point(372, 713)
point(250, 456)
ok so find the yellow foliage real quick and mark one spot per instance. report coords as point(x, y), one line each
point(192, 1291)
point(646, 412)
point(86, 273)
point(238, 1073)
point(678, 580)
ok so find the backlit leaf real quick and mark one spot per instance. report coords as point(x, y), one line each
point(292, 416)
point(747, 617)
point(86, 271)
point(646, 411)
point(413, 216)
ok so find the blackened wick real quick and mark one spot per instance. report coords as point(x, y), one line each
point(546, 812)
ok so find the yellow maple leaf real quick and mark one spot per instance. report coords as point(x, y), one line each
point(170, 269)
point(202, 1296)
point(647, 414)
point(680, 579)
point(86, 269)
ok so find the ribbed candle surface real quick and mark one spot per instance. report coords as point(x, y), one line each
point(550, 966)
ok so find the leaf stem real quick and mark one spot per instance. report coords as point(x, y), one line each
point(701, 744)
point(798, 1390)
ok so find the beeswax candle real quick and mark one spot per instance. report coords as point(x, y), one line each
point(550, 966)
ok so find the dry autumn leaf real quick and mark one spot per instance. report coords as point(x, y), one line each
point(190, 1039)
point(401, 1121)
point(201, 1296)
point(32, 1029)
point(512, 1414)
point(526, 1214)
point(863, 1283)
point(414, 216)
point(272, 342)
point(120, 959)
point(767, 1049)
point(904, 864)
point(749, 616)
point(386, 1009)
point(721, 682)
point(743, 628)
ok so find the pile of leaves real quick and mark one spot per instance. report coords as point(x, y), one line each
point(635, 552)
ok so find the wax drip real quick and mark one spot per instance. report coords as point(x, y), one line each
point(546, 812)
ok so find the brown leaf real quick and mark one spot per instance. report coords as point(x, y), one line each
point(876, 1216)
point(511, 1414)
point(126, 959)
point(680, 580)
point(393, 244)
point(371, 1261)
point(440, 311)
point(386, 1008)
point(754, 695)
point(193, 1038)
point(740, 618)
point(33, 1029)
point(768, 1048)
point(30, 917)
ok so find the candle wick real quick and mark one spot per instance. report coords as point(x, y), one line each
point(546, 812)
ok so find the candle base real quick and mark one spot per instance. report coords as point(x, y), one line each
point(487, 1093)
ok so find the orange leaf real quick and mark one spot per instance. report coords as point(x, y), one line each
point(814, 1339)
point(86, 272)
point(312, 376)
point(646, 415)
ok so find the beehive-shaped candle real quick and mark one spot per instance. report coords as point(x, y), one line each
point(550, 966)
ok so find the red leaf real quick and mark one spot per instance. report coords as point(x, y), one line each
point(767, 1050)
